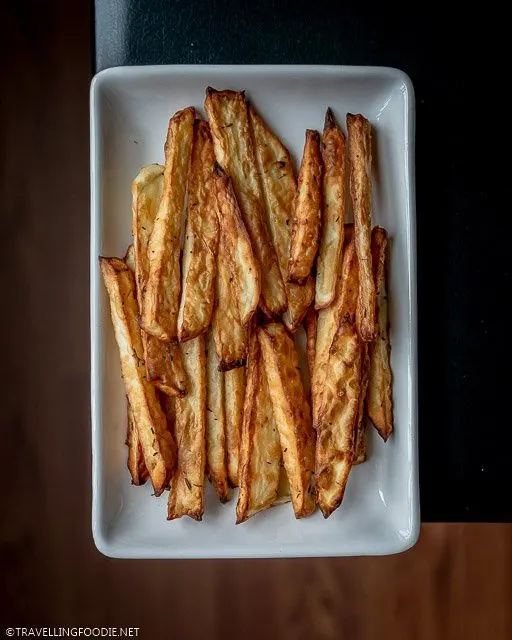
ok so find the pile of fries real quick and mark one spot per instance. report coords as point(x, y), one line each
point(205, 319)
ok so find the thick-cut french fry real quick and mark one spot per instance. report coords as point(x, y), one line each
point(360, 448)
point(310, 323)
point(292, 415)
point(379, 400)
point(157, 443)
point(328, 321)
point(279, 187)
point(260, 450)
point(234, 149)
point(201, 240)
point(336, 415)
point(360, 155)
point(333, 186)
point(307, 216)
point(136, 465)
point(164, 365)
point(234, 392)
point(162, 294)
point(229, 334)
point(216, 450)
point(243, 266)
point(186, 497)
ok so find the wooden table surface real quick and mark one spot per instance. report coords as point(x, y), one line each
point(457, 581)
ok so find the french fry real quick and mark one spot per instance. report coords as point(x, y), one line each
point(260, 450)
point(360, 155)
point(229, 334)
point(234, 149)
point(234, 387)
point(307, 216)
point(162, 293)
point(136, 465)
point(336, 415)
point(328, 321)
point(186, 497)
point(360, 447)
point(292, 415)
point(279, 186)
point(164, 365)
point(244, 269)
point(216, 450)
point(379, 400)
point(157, 444)
point(333, 185)
point(201, 240)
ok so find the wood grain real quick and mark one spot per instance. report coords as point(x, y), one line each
point(456, 583)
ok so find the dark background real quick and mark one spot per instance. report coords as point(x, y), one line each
point(457, 582)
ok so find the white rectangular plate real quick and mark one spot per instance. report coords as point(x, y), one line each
point(130, 110)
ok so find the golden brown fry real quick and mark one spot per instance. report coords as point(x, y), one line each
point(129, 258)
point(162, 294)
point(379, 400)
point(328, 321)
point(307, 216)
point(164, 365)
point(243, 266)
point(201, 240)
point(136, 465)
point(360, 155)
point(157, 443)
point(310, 326)
point(336, 415)
point(279, 187)
point(216, 450)
point(234, 149)
point(186, 497)
point(260, 449)
point(328, 262)
point(228, 332)
point(292, 415)
point(234, 392)
point(360, 448)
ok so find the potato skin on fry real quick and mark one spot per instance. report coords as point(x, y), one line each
point(243, 267)
point(162, 294)
point(157, 443)
point(260, 449)
point(234, 386)
point(310, 324)
point(360, 155)
point(328, 262)
point(186, 497)
point(201, 240)
point(360, 447)
point(280, 188)
point(136, 465)
point(234, 149)
point(308, 211)
point(379, 400)
point(292, 414)
point(164, 365)
point(216, 448)
point(231, 340)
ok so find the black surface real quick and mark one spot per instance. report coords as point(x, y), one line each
point(465, 441)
